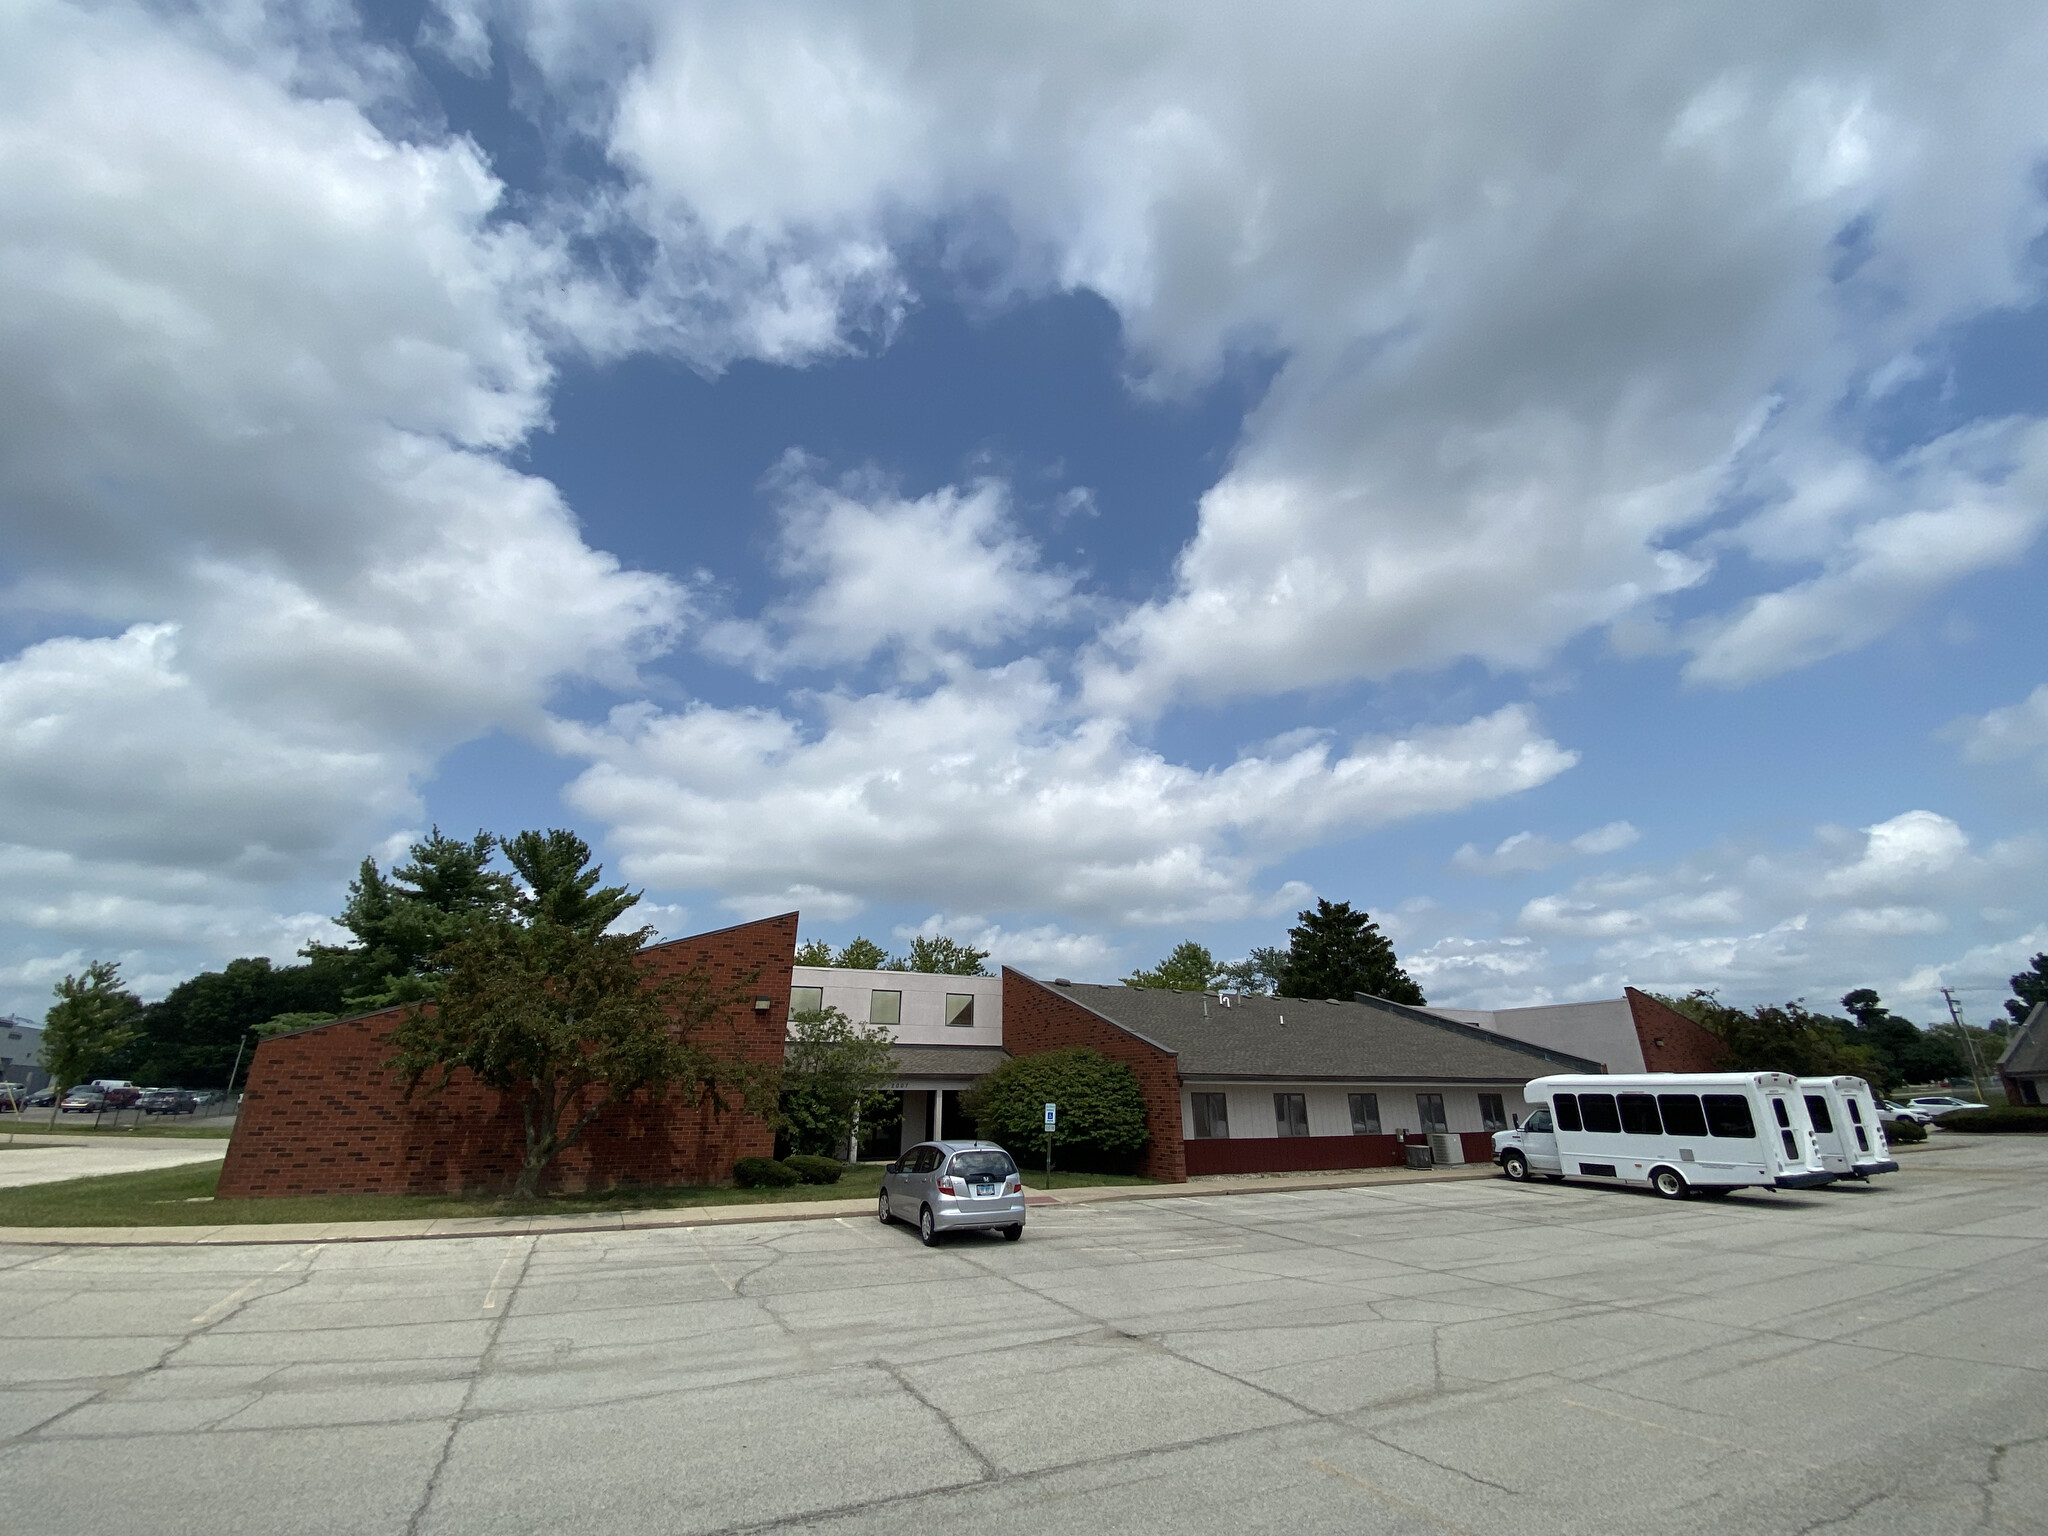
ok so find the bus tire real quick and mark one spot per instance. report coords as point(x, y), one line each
point(1669, 1183)
point(1515, 1166)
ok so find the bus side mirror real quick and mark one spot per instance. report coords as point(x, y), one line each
point(1516, 1121)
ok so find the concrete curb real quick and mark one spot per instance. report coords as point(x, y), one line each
point(444, 1228)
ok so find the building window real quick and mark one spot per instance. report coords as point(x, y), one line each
point(1212, 1117)
point(1493, 1115)
point(806, 1000)
point(960, 1009)
point(1290, 1112)
point(2030, 1091)
point(1429, 1109)
point(885, 1007)
point(1365, 1114)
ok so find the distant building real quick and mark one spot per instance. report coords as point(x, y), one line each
point(1630, 1033)
point(2023, 1068)
point(21, 1055)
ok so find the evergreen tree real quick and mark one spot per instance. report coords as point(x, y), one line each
point(401, 922)
point(1190, 968)
point(1337, 952)
point(2028, 988)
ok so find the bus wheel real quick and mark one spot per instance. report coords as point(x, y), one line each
point(1668, 1184)
point(1516, 1167)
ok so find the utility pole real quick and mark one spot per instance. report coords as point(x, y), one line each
point(1955, 1014)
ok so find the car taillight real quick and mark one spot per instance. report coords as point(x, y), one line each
point(1014, 1187)
point(948, 1187)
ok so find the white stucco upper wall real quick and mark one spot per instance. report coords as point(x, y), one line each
point(1604, 1031)
point(924, 1002)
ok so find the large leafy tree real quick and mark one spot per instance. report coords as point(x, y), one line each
point(1334, 951)
point(1909, 1054)
point(2029, 987)
point(940, 955)
point(1259, 971)
point(540, 1002)
point(91, 1025)
point(862, 955)
point(194, 1033)
point(1101, 1108)
point(832, 1079)
point(1190, 968)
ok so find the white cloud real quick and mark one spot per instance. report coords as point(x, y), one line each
point(983, 795)
point(2017, 730)
point(1526, 852)
point(875, 572)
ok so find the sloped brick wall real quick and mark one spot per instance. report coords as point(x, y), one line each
point(1671, 1042)
point(323, 1115)
point(1036, 1018)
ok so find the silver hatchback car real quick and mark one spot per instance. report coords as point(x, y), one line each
point(945, 1186)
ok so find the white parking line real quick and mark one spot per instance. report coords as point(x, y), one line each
point(229, 1300)
point(511, 1253)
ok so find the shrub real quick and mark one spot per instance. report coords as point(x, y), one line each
point(1102, 1110)
point(815, 1170)
point(1903, 1131)
point(2008, 1117)
point(763, 1173)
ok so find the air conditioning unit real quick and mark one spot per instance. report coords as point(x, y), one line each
point(1446, 1147)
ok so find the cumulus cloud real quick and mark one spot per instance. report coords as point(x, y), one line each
point(1527, 852)
point(2000, 735)
point(984, 794)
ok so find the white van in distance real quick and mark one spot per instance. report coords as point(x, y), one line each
point(1678, 1132)
point(1844, 1115)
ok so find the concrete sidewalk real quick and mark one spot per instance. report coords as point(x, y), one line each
point(50, 1159)
point(250, 1234)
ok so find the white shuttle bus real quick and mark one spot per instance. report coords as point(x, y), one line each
point(1710, 1132)
point(1843, 1111)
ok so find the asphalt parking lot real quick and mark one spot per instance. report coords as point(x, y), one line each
point(1471, 1357)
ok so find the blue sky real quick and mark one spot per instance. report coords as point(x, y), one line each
point(1080, 481)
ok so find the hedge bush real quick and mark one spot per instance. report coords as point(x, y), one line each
point(1898, 1131)
point(815, 1170)
point(763, 1173)
point(1101, 1109)
point(2007, 1117)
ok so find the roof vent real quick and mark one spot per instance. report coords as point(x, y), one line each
point(1226, 999)
point(1061, 981)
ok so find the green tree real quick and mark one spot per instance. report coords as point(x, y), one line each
point(2029, 987)
point(1259, 971)
point(193, 1034)
point(864, 955)
point(1190, 968)
point(941, 956)
point(1337, 952)
point(1908, 1053)
point(403, 921)
point(1101, 1108)
point(1783, 1038)
point(545, 1006)
point(832, 1078)
point(90, 1026)
point(814, 952)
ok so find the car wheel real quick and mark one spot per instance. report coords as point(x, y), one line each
point(1668, 1184)
point(882, 1208)
point(1515, 1166)
point(1012, 1234)
point(927, 1229)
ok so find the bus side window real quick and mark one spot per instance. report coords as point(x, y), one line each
point(1567, 1107)
point(1600, 1114)
point(1817, 1111)
point(1682, 1115)
point(1728, 1116)
point(1639, 1115)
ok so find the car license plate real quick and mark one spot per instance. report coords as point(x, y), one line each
point(984, 1190)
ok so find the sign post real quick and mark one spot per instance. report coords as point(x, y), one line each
point(1052, 1115)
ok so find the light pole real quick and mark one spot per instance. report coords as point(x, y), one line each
point(1969, 1046)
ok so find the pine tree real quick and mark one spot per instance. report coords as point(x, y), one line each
point(1337, 952)
point(2028, 988)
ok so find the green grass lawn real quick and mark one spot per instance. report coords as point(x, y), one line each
point(179, 1197)
point(35, 1125)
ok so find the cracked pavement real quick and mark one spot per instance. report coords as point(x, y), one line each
point(1454, 1357)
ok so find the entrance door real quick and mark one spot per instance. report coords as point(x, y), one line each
point(1539, 1142)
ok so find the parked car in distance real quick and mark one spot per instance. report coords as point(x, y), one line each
point(42, 1098)
point(947, 1186)
point(124, 1097)
point(1893, 1110)
point(83, 1101)
point(168, 1101)
point(1942, 1103)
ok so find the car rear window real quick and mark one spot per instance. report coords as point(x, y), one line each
point(987, 1166)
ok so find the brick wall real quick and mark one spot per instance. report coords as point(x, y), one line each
point(323, 1115)
point(1036, 1018)
point(1672, 1042)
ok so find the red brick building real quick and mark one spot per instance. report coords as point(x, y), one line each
point(324, 1115)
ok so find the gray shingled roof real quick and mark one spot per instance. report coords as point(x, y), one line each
point(2028, 1051)
point(1303, 1038)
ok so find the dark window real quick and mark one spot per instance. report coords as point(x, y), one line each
point(1430, 1108)
point(806, 999)
point(927, 1160)
point(1817, 1112)
point(1365, 1114)
point(960, 1009)
point(1539, 1122)
point(1855, 1111)
point(1682, 1115)
point(1493, 1115)
point(1728, 1116)
point(1597, 1170)
point(1600, 1113)
point(1212, 1116)
point(2030, 1091)
point(1862, 1141)
point(1791, 1140)
point(1290, 1113)
point(984, 1166)
point(1567, 1112)
point(1639, 1115)
point(1784, 1115)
